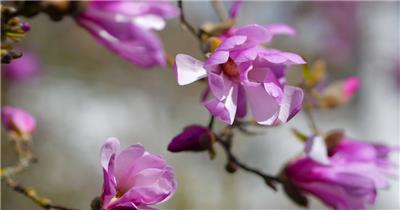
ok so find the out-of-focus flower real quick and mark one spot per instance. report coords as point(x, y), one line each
point(326, 94)
point(18, 121)
point(239, 69)
point(127, 28)
point(343, 29)
point(23, 68)
point(339, 92)
point(134, 178)
point(234, 10)
point(193, 138)
point(355, 172)
point(316, 149)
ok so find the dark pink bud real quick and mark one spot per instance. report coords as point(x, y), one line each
point(193, 138)
point(25, 26)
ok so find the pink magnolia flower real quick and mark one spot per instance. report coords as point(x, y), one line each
point(127, 28)
point(351, 178)
point(22, 68)
point(134, 178)
point(240, 70)
point(18, 120)
point(193, 138)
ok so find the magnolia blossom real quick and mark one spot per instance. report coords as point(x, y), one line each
point(240, 70)
point(22, 68)
point(193, 138)
point(339, 92)
point(127, 28)
point(18, 121)
point(134, 178)
point(349, 178)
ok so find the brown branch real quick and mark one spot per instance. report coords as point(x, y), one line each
point(185, 24)
point(311, 120)
point(220, 10)
point(32, 195)
point(25, 157)
point(225, 140)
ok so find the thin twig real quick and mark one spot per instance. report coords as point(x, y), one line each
point(232, 159)
point(211, 122)
point(186, 24)
point(311, 120)
point(220, 10)
point(32, 195)
point(25, 157)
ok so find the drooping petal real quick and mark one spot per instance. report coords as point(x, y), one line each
point(224, 110)
point(109, 148)
point(292, 103)
point(241, 103)
point(188, 69)
point(133, 43)
point(281, 29)
point(263, 106)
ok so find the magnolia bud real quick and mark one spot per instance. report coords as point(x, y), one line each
point(193, 138)
point(231, 167)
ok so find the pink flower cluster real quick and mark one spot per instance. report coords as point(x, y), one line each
point(241, 70)
point(348, 177)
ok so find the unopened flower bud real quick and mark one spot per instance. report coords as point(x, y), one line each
point(231, 167)
point(193, 138)
point(18, 121)
point(25, 26)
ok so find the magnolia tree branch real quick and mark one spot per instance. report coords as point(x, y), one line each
point(25, 157)
point(233, 163)
point(220, 10)
point(307, 107)
point(185, 24)
point(32, 195)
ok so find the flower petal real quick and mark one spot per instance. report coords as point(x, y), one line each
point(231, 42)
point(292, 103)
point(316, 149)
point(188, 69)
point(255, 33)
point(109, 148)
point(281, 29)
point(263, 106)
point(216, 58)
point(224, 110)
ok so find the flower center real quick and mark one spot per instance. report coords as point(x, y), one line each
point(230, 68)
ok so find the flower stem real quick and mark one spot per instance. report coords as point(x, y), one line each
point(311, 120)
point(226, 144)
point(220, 10)
point(185, 24)
point(31, 194)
